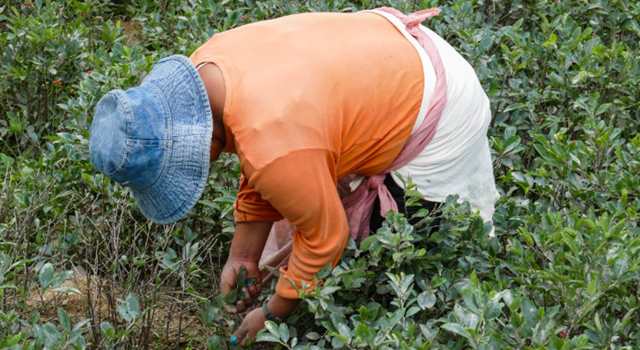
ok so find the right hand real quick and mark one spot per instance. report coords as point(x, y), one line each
point(228, 279)
point(252, 323)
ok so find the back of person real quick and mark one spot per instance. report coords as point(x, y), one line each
point(347, 84)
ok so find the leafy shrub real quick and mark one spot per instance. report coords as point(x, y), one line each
point(560, 273)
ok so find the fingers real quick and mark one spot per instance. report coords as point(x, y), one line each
point(254, 290)
point(241, 306)
point(252, 323)
point(228, 284)
point(232, 271)
point(246, 300)
point(225, 287)
point(241, 334)
point(249, 337)
point(227, 279)
point(249, 293)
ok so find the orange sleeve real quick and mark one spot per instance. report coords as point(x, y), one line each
point(302, 186)
point(250, 206)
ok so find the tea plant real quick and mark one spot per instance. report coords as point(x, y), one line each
point(80, 267)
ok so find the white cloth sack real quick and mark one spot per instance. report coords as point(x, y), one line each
point(458, 158)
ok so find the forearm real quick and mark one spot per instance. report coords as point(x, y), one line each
point(249, 240)
point(281, 307)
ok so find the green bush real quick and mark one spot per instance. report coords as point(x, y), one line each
point(80, 267)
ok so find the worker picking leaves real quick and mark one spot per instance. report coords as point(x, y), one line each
point(328, 113)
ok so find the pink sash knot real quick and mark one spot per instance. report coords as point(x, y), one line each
point(359, 203)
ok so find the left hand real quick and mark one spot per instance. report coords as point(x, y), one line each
point(228, 279)
point(253, 322)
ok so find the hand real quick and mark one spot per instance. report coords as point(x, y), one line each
point(252, 323)
point(228, 279)
point(246, 249)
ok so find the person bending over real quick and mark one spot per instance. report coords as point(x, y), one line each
point(325, 112)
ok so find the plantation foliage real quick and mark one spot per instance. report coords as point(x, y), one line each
point(80, 267)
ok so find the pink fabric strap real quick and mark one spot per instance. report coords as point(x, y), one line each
point(359, 203)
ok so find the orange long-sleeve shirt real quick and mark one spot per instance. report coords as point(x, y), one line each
point(312, 98)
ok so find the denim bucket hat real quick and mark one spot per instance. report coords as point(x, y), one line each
point(155, 138)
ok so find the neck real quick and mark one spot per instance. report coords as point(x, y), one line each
point(214, 83)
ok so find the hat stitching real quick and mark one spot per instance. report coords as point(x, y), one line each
point(200, 178)
point(171, 149)
point(159, 93)
point(168, 146)
point(189, 202)
point(118, 96)
point(180, 210)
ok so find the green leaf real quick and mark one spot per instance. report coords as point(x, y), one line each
point(265, 337)
point(11, 341)
point(466, 316)
point(231, 297)
point(312, 336)
point(367, 242)
point(553, 38)
point(428, 332)
point(458, 329)
point(215, 342)
point(48, 335)
point(129, 309)
point(326, 291)
point(272, 327)
point(211, 313)
point(107, 330)
point(64, 320)
point(45, 275)
point(170, 260)
point(283, 331)
point(412, 311)
point(427, 299)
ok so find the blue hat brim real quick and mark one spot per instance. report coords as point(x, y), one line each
point(185, 169)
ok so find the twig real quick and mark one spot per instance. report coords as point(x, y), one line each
point(277, 260)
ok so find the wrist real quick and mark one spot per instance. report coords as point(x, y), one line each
point(268, 315)
point(242, 260)
point(248, 241)
point(280, 307)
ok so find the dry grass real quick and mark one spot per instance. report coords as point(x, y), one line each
point(132, 31)
point(169, 322)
